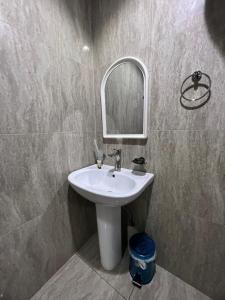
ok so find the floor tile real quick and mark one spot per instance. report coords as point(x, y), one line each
point(119, 278)
point(166, 286)
point(83, 278)
point(76, 281)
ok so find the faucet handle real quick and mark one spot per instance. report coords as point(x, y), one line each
point(115, 152)
point(111, 154)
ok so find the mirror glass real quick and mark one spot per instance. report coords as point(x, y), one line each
point(124, 100)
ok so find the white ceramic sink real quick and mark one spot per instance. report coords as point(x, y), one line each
point(109, 187)
point(109, 190)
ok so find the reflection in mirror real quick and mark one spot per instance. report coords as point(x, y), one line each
point(124, 100)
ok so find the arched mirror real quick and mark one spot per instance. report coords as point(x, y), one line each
point(124, 98)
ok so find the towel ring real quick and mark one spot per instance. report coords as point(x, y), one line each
point(196, 78)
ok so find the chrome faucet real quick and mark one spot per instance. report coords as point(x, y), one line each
point(117, 158)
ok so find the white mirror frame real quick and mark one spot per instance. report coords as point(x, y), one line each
point(144, 71)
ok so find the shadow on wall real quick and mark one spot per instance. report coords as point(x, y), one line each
point(113, 7)
point(215, 21)
point(138, 209)
point(78, 11)
point(136, 142)
point(82, 218)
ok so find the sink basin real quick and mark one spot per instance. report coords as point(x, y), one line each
point(109, 190)
point(108, 187)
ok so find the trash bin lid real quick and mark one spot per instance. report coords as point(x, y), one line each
point(142, 247)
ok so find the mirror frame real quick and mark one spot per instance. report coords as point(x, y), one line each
point(144, 72)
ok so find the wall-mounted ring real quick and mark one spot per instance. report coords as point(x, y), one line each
point(196, 78)
point(197, 82)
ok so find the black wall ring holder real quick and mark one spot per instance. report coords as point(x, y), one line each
point(197, 83)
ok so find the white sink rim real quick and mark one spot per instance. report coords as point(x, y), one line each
point(109, 198)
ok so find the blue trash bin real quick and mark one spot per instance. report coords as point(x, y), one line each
point(142, 259)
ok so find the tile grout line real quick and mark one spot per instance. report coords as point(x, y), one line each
point(110, 285)
point(131, 293)
point(188, 130)
point(19, 227)
point(56, 276)
point(39, 216)
point(101, 276)
point(47, 133)
point(100, 133)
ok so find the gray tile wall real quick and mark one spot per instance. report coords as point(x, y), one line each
point(185, 149)
point(47, 127)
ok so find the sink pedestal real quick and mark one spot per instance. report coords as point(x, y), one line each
point(109, 234)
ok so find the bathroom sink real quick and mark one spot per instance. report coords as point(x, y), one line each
point(108, 187)
point(109, 190)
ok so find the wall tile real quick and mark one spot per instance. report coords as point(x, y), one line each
point(111, 24)
point(39, 247)
point(189, 168)
point(34, 170)
point(184, 37)
point(46, 86)
point(32, 253)
point(82, 217)
point(47, 128)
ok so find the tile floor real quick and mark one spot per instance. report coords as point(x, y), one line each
point(82, 277)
